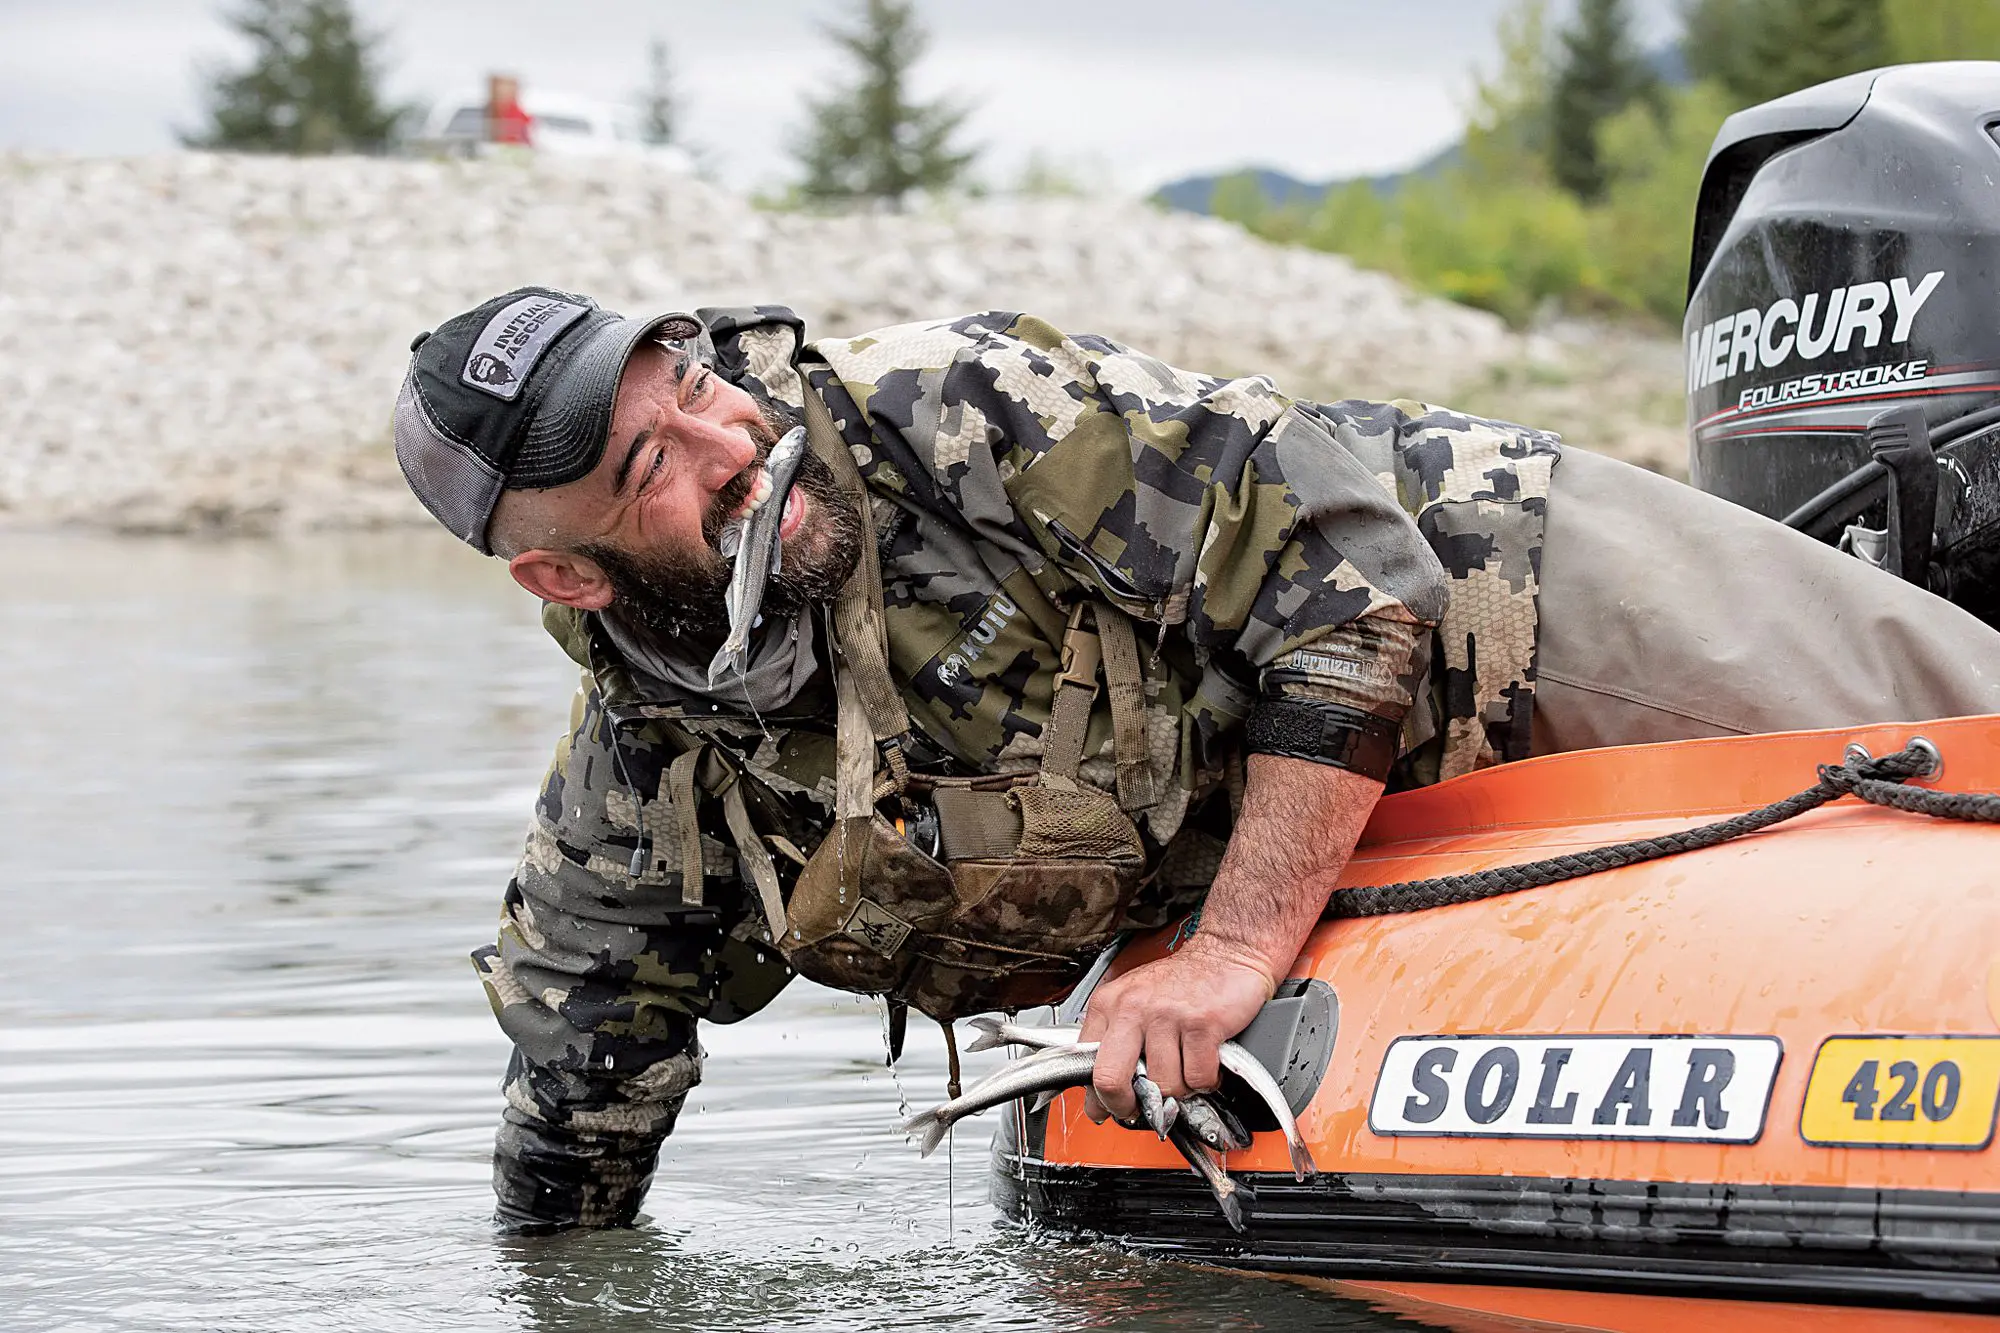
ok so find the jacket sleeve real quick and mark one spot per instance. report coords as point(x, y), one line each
point(1214, 504)
point(599, 977)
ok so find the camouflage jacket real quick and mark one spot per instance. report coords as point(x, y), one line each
point(1307, 577)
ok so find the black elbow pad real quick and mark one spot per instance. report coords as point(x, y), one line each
point(1324, 733)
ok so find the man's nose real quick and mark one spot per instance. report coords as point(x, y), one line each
point(724, 452)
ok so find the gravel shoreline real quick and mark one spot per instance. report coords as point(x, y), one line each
point(195, 342)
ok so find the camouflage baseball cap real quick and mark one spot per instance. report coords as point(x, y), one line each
point(514, 394)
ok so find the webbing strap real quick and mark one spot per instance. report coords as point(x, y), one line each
point(976, 825)
point(860, 633)
point(762, 871)
point(1127, 690)
point(681, 797)
point(854, 751)
point(1069, 704)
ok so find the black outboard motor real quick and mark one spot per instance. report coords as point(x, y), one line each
point(1843, 322)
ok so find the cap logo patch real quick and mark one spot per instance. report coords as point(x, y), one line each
point(505, 353)
point(487, 368)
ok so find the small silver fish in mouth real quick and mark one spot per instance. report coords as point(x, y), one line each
point(752, 542)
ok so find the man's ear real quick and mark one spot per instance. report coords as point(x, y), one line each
point(562, 576)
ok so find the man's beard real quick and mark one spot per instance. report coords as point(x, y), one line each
point(680, 594)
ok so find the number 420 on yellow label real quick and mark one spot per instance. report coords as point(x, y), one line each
point(1902, 1092)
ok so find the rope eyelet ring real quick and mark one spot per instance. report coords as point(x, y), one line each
point(1856, 753)
point(1932, 756)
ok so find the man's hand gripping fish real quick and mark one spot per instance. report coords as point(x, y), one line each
point(1197, 1124)
point(752, 542)
point(1235, 1058)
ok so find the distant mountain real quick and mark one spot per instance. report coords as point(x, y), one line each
point(1191, 194)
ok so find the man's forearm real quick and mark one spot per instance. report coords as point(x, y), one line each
point(1297, 829)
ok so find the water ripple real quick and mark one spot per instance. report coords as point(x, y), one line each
point(260, 800)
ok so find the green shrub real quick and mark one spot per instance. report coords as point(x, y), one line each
point(1497, 231)
point(1642, 233)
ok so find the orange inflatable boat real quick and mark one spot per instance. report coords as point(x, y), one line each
point(1769, 1068)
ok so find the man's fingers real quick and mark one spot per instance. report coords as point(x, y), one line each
point(1117, 1061)
point(1094, 1108)
point(1163, 1058)
point(1201, 1060)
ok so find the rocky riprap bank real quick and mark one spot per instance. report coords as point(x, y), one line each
point(197, 342)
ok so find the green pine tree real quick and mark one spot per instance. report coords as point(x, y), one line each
point(870, 141)
point(1715, 43)
point(659, 113)
point(312, 84)
point(1599, 71)
point(1760, 49)
point(1507, 134)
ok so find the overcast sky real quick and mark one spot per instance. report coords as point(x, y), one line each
point(1147, 90)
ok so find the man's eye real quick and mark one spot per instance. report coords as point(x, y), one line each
point(703, 383)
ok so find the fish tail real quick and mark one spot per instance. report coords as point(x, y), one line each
point(727, 659)
point(1303, 1167)
point(933, 1136)
point(989, 1033)
point(928, 1128)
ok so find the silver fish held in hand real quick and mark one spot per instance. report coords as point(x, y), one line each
point(1051, 1069)
point(1229, 1195)
point(1235, 1058)
point(1023, 1078)
point(1214, 1123)
point(1156, 1111)
point(757, 553)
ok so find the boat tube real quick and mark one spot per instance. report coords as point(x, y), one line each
point(1769, 1068)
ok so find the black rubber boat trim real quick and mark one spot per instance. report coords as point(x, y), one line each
point(1923, 1248)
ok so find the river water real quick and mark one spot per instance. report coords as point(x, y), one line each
point(259, 799)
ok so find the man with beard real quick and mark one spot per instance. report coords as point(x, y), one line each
point(1328, 599)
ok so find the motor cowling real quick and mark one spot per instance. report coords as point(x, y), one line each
point(1845, 268)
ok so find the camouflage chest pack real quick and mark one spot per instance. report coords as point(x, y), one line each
point(960, 895)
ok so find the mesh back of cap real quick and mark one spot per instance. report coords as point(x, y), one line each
point(458, 486)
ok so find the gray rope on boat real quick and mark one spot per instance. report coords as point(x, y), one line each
point(1881, 782)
